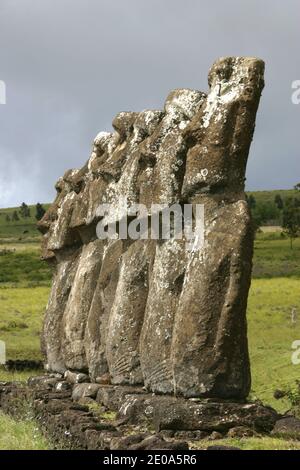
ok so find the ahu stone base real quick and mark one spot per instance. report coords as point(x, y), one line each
point(96, 416)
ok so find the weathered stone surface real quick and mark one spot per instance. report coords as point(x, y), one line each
point(73, 425)
point(288, 426)
point(189, 435)
point(240, 431)
point(84, 390)
point(104, 379)
point(45, 381)
point(215, 436)
point(119, 443)
point(156, 336)
point(127, 315)
point(97, 324)
point(157, 443)
point(211, 314)
point(62, 386)
point(142, 441)
point(78, 305)
point(75, 377)
point(53, 326)
point(217, 343)
point(114, 397)
point(155, 312)
point(166, 412)
point(185, 415)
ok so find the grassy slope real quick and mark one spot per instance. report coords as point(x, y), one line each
point(15, 229)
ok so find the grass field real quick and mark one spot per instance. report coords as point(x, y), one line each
point(273, 256)
point(20, 435)
point(20, 267)
point(275, 292)
point(271, 334)
point(21, 312)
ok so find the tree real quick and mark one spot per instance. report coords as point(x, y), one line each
point(291, 219)
point(24, 210)
point(278, 201)
point(297, 187)
point(256, 220)
point(266, 212)
point(7, 218)
point(40, 211)
point(297, 202)
point(251, 201)
point(15, 216)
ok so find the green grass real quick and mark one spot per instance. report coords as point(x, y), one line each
point(273, 256)
point(17, 376)
point(20, 435)
point(271, 333)
point(23, 266)
point(24, 290)
point(21, 313)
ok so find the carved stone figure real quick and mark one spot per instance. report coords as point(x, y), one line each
point(148, 311)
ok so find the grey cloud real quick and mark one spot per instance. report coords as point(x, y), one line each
point(71, 65)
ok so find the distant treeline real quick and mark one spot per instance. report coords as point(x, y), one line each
point(24, 212)
point(280, 208)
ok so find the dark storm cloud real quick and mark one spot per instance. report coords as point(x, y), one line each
point(71, 65)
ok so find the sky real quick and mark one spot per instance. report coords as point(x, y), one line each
point(70, 66)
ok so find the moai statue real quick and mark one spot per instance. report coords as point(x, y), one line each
point(209, 347)
point(159, 312)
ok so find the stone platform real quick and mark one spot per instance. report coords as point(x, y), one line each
point(96, 416)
